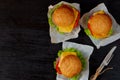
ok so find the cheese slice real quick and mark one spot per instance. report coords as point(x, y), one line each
point(99, 12)
point(64, 54)
point(68, 29)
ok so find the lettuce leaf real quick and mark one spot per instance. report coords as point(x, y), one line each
point(75, 77)
point(111, 31)
point(87, 31)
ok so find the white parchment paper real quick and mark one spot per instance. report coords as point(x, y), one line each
point(57, 37)
point(116, 27)
point(86, 51)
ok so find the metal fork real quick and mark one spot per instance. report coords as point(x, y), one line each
point(105, 62)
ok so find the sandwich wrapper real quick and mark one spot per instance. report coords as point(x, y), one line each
point(115, 26)
point(86, 52)
point(57, 37)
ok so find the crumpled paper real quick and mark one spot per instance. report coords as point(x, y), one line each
point(57, 37)
point(86, 52)
point(116, 27)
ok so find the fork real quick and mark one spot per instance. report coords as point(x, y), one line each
point(105, 62)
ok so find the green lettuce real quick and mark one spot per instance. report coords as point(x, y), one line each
point(111, 31)
point(87, 31)
point(75, 77)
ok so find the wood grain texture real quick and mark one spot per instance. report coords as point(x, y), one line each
point(26, 52)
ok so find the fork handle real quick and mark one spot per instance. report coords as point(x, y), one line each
point(94, 77)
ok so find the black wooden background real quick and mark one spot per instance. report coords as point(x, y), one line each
point(26, 52)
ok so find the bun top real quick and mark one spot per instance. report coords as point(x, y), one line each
point(70, 66)
point(63, 15)
point(100, 25)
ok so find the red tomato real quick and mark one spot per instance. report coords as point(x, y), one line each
point(57, 68)
point(77, 20)
point(89, 27)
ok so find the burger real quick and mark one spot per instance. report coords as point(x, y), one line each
point(100, 25)
point(70, 63)
point(64, 17)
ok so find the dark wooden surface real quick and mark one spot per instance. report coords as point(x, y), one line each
point(26, 52)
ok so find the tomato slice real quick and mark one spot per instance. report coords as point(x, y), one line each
point(89, 26)
point(57, 68)
point(77, 20)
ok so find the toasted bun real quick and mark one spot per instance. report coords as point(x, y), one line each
point(100, 25)
point(70, 66)
point(63, 16)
